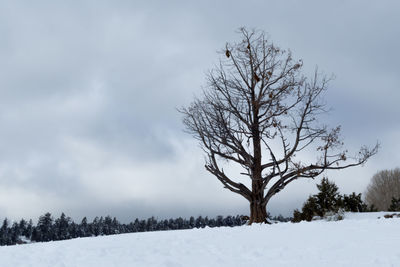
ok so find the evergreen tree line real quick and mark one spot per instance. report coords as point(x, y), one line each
point(48, 229)
point(329, 200)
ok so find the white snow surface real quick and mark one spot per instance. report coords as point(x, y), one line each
point(358, 240)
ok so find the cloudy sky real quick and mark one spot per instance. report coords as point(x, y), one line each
point(89, 91)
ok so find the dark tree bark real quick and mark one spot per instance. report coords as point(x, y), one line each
point(260, 112)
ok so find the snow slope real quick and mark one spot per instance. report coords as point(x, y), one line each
point(359, 240)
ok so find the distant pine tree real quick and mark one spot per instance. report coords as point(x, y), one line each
point(199, 223)
point(142, 226)
point(219, 221)
point(15, 233)
point(101, 225)
point(22, 227)
point(281, 218)
point(36, 237)
point(136, 225)
point(73, 230)
point(107, 226)
point(61, 227)
point(192, 222)
point(206, 221)
point(95, 227)
point(151, 224)
point(228, 221)
point(28, 231)
point(45, 228)
point(239, 221)
point(5, 237)
point(212, 223)
point(83, 228)
point(164, 225)
point(179, 223)
point(116, 226)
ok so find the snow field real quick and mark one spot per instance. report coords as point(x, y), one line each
point(358, 240)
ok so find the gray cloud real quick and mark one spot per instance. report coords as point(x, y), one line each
point(89, 90)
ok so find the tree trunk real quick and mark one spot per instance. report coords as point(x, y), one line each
point(258, 212)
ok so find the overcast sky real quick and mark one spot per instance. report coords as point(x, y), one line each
point(89, 91)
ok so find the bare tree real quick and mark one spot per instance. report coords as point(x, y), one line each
point(256, 99)
point(383, 187)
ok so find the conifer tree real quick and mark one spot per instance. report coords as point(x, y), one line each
point(328, 198)
point(4, 233)
point(115, 226)
point(200, 222)
point(15, 233)
point(72, 230)
point(107, 229)
point(83, 229)
point(45, 228)
point(22, 226)
point(95, 228)
point(62, 227)
point(28, 231)
point(136, 225)
point(354, 203)
point(192, 222)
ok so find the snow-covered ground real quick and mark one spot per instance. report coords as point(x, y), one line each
point(358, 240)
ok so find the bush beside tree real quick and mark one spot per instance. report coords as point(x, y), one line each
point(329, 200)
